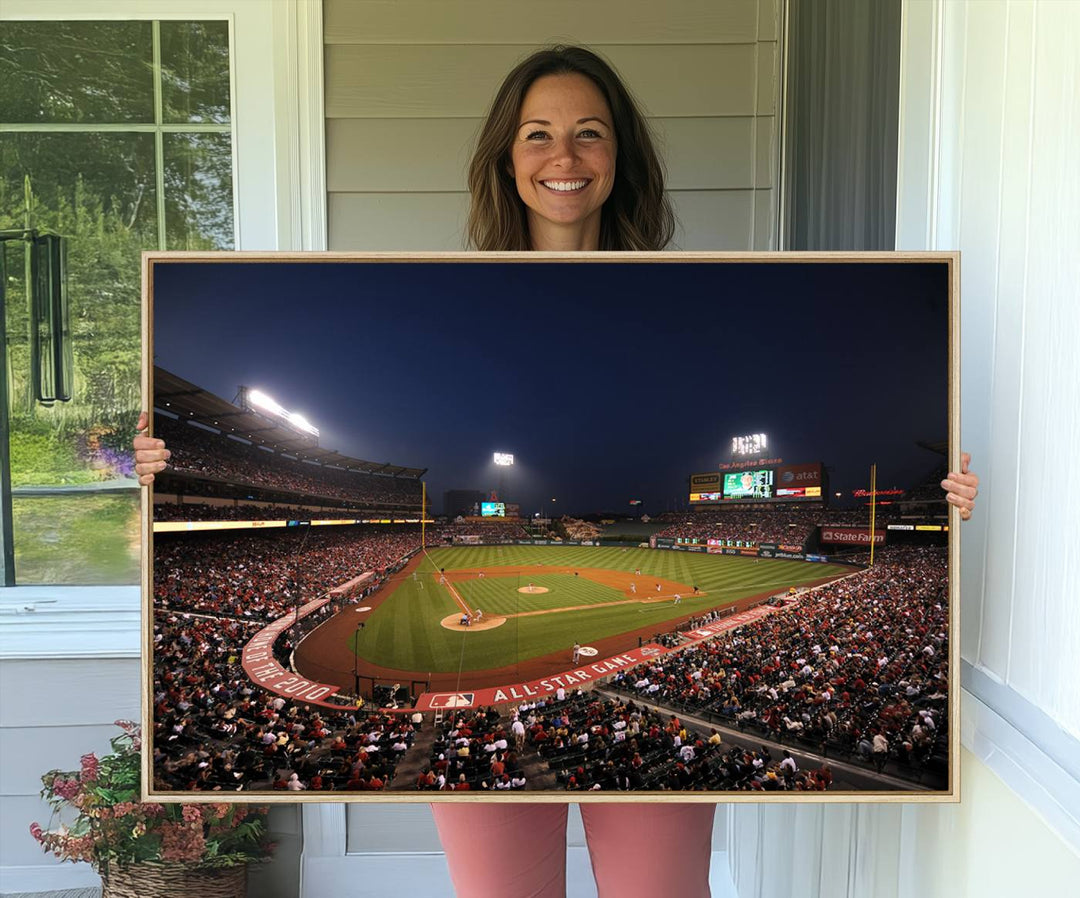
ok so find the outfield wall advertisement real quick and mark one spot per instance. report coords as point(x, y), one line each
point(700, 483)
point(851, 536)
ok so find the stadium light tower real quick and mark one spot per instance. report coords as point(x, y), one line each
point(251, 398)
point(503, 460)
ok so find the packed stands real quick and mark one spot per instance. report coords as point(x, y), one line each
point(578, 529)
point(584, 742)
point(213, 729)
point(200, 454)
point(478, 532)
point(266, 511)
point(857, 668)
point(781, 524)
point(261, 575)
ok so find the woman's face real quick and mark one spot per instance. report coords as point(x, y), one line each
point(563, 156)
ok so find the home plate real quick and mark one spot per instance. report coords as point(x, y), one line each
point(365, 608)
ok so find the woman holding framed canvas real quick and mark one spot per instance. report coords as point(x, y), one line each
point(565, 163)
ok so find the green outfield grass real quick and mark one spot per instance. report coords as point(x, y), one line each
point(499, 594)
point(405, 631)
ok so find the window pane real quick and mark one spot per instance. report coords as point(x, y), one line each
point(98, 191)
point(75, 497)
point(198, 192)
point(76, 72)
point(195, 71)
point(82, 540)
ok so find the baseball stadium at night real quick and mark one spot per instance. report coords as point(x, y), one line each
point(634, 527)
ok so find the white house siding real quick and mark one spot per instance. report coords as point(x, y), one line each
point(408, 83)
point(53, 712)
point(989, 138)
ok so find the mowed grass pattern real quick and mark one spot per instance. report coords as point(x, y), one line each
point(499, 595)
point(405, 631)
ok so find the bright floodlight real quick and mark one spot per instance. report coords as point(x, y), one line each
point(504, 458)
point(265, 402)
point(750, 444)
point(257, 397)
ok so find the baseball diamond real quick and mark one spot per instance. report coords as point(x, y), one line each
point(415, 631)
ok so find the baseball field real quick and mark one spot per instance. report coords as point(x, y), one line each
point(532, 604)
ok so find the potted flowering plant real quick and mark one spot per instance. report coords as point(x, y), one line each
point(165, 850)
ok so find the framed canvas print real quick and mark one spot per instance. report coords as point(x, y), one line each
point(534, 527)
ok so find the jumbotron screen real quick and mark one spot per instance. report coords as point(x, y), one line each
point(492, 510)
point(749, 485)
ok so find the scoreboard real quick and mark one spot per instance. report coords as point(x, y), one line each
point(779, 483)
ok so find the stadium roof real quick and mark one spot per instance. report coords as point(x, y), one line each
point(193, 403)
point(941, 447)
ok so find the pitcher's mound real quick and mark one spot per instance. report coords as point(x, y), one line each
point(453, 622)
point(532, 590)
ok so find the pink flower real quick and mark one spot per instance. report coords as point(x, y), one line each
point(89, 767)
point(181, 842)
point(192, 814)
point(219, 809)
point(79, 848)
point(65, 788)
point(37, 832)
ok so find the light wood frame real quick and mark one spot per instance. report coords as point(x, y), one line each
point(950, 259)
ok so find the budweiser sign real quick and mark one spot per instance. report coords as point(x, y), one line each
point(857, 536)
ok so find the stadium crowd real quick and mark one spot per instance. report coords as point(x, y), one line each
point(213, 728)
point(597, 744)
point(260, 576)
point(198, 451)
point(475, 750)
point(781, 524)
point(476, 531)
point(216, 731)
point(578, 529)
point(266, 511)
point(859, 666)
point(585, 742)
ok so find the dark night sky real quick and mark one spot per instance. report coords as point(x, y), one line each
point(608, 381)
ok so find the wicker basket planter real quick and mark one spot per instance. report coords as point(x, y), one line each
point(174, 881)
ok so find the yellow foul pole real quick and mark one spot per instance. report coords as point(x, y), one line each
point(423, 512)
point(873, 509)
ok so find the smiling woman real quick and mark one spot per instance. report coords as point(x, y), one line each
point(560, 118)
point(563, 160)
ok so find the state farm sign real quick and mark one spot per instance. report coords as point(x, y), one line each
point(851, 536)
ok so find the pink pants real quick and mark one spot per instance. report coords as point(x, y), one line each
point(519, 850)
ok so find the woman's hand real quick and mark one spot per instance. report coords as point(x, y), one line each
point(150, 453)
point(961, 489)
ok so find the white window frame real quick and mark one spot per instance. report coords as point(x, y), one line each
point(279, 204)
